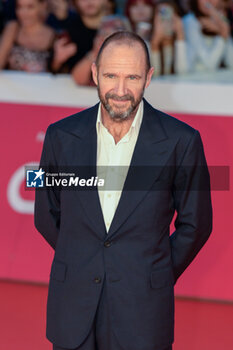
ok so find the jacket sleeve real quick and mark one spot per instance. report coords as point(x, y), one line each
point(192, 201)
point(47, 199)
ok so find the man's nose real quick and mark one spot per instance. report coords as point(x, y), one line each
point(121, 88)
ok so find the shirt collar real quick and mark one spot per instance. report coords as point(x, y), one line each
point(136, 122)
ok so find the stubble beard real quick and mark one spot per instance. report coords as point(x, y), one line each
point(118, 115)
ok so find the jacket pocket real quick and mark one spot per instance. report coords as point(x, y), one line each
point(162, 278)
point(58, 271)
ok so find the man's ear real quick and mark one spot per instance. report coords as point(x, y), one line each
point(149, 76)
point(94, 73)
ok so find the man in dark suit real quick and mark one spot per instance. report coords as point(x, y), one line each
point(115, 264)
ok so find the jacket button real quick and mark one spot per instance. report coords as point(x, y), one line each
point(97, 280)
point(107, 244)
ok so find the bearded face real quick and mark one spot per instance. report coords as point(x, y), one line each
point(120, 107)
point(121, 76)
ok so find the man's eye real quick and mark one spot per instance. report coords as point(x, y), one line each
point(110, 76)
point(132, 77)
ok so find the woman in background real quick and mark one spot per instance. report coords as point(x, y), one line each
point(208, 36)
point(140, 14)
point(167, 45)
point(27, 42)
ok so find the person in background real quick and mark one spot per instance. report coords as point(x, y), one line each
point(207, 32)
point(140, 14)
point(227, 8)
point(184, 6)
point(168, 48)
point(26, 43)
point(57, 11)
point(79, 31)
point(109, 25)
point(110, 7)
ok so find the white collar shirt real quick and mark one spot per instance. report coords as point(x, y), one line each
point(113, 161)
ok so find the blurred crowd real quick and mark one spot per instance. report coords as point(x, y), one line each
point(64, 36)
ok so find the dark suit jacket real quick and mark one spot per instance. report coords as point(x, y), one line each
point(137, 259)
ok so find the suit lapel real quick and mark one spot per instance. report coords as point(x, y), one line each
point(83, 158)
point(151, 153)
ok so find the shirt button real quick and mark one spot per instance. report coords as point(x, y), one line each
point(97, 279)
point(109, 195)
point(107, 244)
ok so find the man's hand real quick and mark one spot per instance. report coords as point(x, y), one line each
point(63, 50)
point(216, 22)
point(210, 25)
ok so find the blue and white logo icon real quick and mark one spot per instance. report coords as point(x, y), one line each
point(35, 178)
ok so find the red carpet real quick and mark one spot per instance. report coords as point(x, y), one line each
point(199, 325)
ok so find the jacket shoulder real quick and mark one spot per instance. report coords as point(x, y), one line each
point(74, 121)
point(172, 126)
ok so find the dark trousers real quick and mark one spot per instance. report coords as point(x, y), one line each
point(101, 335)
